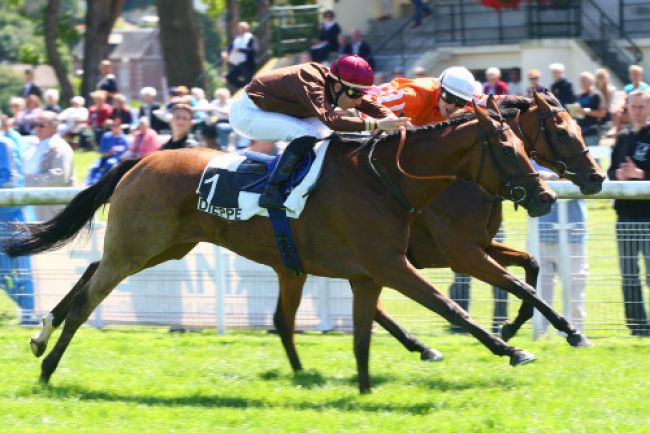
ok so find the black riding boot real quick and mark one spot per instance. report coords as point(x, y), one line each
point(272, 197)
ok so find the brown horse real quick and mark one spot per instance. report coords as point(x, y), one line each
point(352, 227)
point(458, 234)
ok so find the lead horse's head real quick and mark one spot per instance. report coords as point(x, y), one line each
point(554, 140)
point(511, 169)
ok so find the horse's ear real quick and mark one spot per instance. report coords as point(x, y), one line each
point(540, 101)
point(482, 116)
point(492, 104)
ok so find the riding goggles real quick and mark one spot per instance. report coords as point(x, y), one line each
point(353, 93)
point(450, 98)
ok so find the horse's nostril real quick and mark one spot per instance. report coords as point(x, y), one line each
point(596, 177)
point(545, 198)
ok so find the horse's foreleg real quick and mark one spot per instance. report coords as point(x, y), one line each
point(366, 294)
point(486, 269)
point(506, 256)
point(407, 339)
point(52, 320)
point(405, 279)
point(284, 318)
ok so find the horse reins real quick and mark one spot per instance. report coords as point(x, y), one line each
point(400, 148)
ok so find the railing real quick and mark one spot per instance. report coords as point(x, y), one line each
point(634, 17)
point(602, 36)
point(293, 28)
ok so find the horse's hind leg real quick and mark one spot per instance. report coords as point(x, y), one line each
point(38, 342)
point(366, 295)
point(506, 256)
point(407, 339)
point(106, 277)
point(284, 318)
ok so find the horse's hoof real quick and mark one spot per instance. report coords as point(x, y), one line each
point(507, 331)
point(38, 347)
point(521, 357)
point(578, 340)
point(431, 355)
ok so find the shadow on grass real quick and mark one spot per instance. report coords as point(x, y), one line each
point(350, 403)
point(314, 379)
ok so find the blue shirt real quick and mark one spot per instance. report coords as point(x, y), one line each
point(642, 86)
point(110, 141)
point(8, 175)
point(577, 214)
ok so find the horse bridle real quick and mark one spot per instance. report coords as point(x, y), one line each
point(560, 162)
point(516, 193)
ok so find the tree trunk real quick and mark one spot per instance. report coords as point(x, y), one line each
point(232, 18)
point(263, 32)
point(181, 43)
point(100, 19)
point(51, 30)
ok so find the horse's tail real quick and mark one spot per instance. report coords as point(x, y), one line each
point(63, 228)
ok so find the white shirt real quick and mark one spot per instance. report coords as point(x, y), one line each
point(241, 42)
point(33, 155)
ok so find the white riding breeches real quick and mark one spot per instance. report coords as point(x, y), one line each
point(250, 121)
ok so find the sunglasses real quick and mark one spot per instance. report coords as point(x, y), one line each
point(353, 93)
point(453, 99)
point(533, 78)
point(41, 124)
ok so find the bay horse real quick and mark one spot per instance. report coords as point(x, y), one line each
point(353, 227)
point(460, 233)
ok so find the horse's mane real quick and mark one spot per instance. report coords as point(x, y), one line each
point(510, 105)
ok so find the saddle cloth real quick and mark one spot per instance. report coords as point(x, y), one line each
point(231, 184)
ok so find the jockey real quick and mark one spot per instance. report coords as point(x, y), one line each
point(298, 104)
point(429, 100)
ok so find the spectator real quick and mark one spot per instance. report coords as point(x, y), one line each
point(52, 101)
point(15, 273)
point(30, 88)
point(419, 72)
point(534, 77)
point(561, 87)
point(145, 140)
point(181, 123)
point(459, 292)
point(73, 119)
point(549, 255)
point(26, 118)
point(591, 109)
point(149, 106)
point(221, 109)
point(327, 41)
point(240, 56)
point(122, 112)
point(631, 161)
point(606, 90)
point(514, 85)
point(494, 85)
point(635, 73)
point(98, 113)
point(48, 162)
point(16, 106)
point(7, 130)
point(360, 47)
point(111, 146)
point(107, 81)
point(345, 46)
point(421, 10)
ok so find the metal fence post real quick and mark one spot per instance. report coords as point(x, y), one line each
point(324, 304)
point(564, 269)
point(532, 244)
point(219, 290)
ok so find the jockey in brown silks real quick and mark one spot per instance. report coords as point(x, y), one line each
point(299, 104)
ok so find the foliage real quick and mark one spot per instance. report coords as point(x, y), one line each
point(210, 37)
point(150, 380)
point(131, 5)
point(11, 84)
point(19, 41)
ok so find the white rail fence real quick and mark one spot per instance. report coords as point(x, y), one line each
point(213, 287)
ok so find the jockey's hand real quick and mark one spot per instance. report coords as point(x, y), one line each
point(393, 123)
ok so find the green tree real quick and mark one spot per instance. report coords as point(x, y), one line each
point(11, 84)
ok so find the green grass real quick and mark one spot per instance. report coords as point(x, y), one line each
point(152, 381)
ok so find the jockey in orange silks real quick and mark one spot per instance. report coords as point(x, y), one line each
point(429, 100)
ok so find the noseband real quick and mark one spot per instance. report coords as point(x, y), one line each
point(516, 193)
point(561, 163)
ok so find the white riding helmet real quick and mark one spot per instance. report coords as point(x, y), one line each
point(458, 81)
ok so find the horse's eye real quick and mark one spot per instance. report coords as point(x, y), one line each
point(508, 151)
